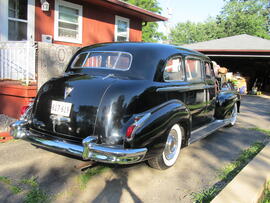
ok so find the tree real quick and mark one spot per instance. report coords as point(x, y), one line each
point(245, 17)
point(236, 17)
point(150, 30)
point(190, 32)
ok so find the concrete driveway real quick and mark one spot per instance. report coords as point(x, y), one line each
point(195, 170)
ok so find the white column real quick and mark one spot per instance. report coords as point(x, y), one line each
point(31, 20)
point(4, 20)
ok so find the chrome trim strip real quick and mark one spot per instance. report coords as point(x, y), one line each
point(209, 86)
point(180, 88)
point(88, 150)
point(199, 131)
point(54, 144)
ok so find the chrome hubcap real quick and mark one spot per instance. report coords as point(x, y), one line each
point(171, 145)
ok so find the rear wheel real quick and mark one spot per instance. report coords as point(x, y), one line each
point(171, 151)
point(233, 116)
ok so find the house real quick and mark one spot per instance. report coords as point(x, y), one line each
point(70, 22)
point(56, 28)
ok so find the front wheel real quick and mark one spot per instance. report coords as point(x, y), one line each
point(171, 151)
point(233, 117)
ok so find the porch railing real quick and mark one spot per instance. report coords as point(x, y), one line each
point(17, 61)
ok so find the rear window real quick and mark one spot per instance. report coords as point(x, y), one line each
point(104, 60)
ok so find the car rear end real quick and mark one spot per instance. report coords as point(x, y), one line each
point(63, 116)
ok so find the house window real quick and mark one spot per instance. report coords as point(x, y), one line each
point(68, 22)
point(17, 20)
point(121, 33)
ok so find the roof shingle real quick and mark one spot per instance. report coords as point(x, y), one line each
point(234, 43)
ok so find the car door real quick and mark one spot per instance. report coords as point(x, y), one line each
point(195, 97)
point(174, 78)
point(210, 90)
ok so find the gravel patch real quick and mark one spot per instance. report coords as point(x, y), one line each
point(5, 121)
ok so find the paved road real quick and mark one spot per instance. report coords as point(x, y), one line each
point(195, 170)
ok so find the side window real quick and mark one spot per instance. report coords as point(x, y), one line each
point(208, 70)
point(193, 69)
point(173, 70)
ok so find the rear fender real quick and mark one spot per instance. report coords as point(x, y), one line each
point(152, 133)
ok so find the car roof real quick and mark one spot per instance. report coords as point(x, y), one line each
point(147, 57)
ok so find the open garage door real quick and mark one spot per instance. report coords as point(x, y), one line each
point(253, 68)
point(246, 54)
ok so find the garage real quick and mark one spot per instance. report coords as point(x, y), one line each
point(244, 54)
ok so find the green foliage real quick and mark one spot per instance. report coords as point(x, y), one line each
point(232, 169)
point(245, 17)
point(36, 195)
point(85, 177)
point(5, 180)
point(150, 5)
point(206, 195)
point(229, 172)
point(149, 31)
point(189, 32)
point(236, 17)
point(267, 132)
point(266, 194)
point(13, 188)
point(31, 182)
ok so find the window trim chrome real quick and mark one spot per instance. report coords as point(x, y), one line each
point(201, 67)
point(103, 68)
point(170, 81)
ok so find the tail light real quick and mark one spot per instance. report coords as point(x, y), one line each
point(138, 122)
point(23, 109)
point(26, 109)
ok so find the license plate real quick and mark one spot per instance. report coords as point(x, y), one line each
point(61, 108)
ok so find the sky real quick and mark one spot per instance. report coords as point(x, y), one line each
point(192, 10)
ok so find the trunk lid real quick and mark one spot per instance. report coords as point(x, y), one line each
point(82, 93)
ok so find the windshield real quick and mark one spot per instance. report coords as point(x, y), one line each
point(104, 60)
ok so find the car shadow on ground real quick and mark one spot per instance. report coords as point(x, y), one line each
point(195, 170)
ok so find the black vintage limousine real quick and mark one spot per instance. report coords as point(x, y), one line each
point(128, 102)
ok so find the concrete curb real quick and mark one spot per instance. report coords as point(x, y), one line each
point(249, 184)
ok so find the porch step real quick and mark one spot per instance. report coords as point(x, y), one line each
point(206, 130)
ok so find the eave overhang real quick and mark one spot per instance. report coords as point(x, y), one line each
point(126, 8)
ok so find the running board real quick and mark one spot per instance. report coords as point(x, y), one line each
point(206, 130)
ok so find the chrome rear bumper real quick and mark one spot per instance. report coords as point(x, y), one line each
point(89, 150)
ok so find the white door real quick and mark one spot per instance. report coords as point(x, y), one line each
point(18, 17)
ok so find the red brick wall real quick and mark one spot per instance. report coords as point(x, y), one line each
point(98, 24)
